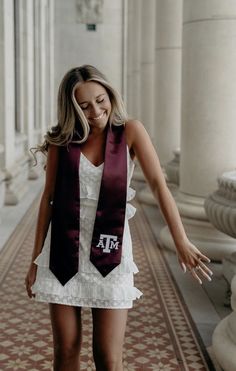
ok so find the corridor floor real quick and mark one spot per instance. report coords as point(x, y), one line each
point(161, 334)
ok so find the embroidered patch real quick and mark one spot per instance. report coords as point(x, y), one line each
point(108, 242)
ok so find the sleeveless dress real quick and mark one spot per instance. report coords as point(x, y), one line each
point(88, 288)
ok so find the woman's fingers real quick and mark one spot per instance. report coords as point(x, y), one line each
point(205, 268)
point(204, 257)
point(194, 274)
point(183, 266)
point(28, 289)
point(201, 269)
point(203, 273)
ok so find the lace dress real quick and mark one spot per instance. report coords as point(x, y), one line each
point(88, 288)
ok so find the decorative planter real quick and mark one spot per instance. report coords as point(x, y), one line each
point(221, 210)
point(221, 205)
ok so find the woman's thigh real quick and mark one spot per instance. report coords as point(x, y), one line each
point(66, 326)
point(108, 334)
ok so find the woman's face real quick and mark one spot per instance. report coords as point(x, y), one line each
point(93, 99)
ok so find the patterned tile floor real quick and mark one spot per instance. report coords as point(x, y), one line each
point(160, 332)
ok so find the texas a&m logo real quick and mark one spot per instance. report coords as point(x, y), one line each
point(108, 242)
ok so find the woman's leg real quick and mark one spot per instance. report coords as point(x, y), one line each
point(67, 336)
point(108, 338)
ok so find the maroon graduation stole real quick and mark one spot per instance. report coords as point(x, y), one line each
point(106, 246)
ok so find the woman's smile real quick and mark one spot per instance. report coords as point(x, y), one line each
point(97, 118)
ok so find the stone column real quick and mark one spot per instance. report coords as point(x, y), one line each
point(147, 93)
point(30, 84)
point(134, 68)
point(43, 66)
point(51, 61)
point(7, 87)
point(12, 158)
point(130, 58)
point(168, 77)
point(145, 101)
point(134, 58)
point(208, 117)
point(166, 119)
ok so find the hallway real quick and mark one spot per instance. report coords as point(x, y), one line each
point(161, 334)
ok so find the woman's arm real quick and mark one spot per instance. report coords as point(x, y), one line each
point(44, 214)
point(140, 144)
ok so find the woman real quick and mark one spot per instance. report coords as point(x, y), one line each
point(88, 260)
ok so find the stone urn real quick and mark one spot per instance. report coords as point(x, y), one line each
point(221, 210)
point(221, 205)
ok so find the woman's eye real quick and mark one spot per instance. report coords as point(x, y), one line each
point(100, 101)
point(83, 107)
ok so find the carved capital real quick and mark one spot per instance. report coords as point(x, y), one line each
point(89, 11)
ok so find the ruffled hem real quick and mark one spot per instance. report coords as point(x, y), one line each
point(84, 290)
point(102, 304)
point(130, 211)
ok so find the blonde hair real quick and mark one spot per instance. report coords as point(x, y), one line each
point(72, 124)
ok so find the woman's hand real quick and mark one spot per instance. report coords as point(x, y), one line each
point(30, 279)
point(191, 259)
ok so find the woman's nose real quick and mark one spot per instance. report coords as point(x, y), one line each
point(95, 111)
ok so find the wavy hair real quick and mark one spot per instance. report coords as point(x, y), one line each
point(72, 125)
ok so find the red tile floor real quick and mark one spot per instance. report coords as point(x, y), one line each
point(160, 332)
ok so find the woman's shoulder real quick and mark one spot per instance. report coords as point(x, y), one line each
point(133, 124)
point(133, 128)
point(133, 131)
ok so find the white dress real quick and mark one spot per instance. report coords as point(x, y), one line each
point(88, 288)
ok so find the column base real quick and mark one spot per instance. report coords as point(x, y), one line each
point(223, 345)
point(211, 242)
point(16, 182)
point(204, 236)
point(172, 168)
point(145, 196)
point(229, 267)
point(2, 189)
point(138, 175)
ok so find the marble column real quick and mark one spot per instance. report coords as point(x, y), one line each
point(30, 86)
point(168, 77)
point(134, 58)
point(13, 159)
point(7, 87)
point(43, 65)
point(166, 120)
point(146, 96)
point(208, 117)
point(2, 185)
point(134, 69)
point(42, 104)
point(130, 58)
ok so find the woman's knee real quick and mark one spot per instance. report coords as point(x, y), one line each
point(65, 352)
point(107, 360)
point(67, 332)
